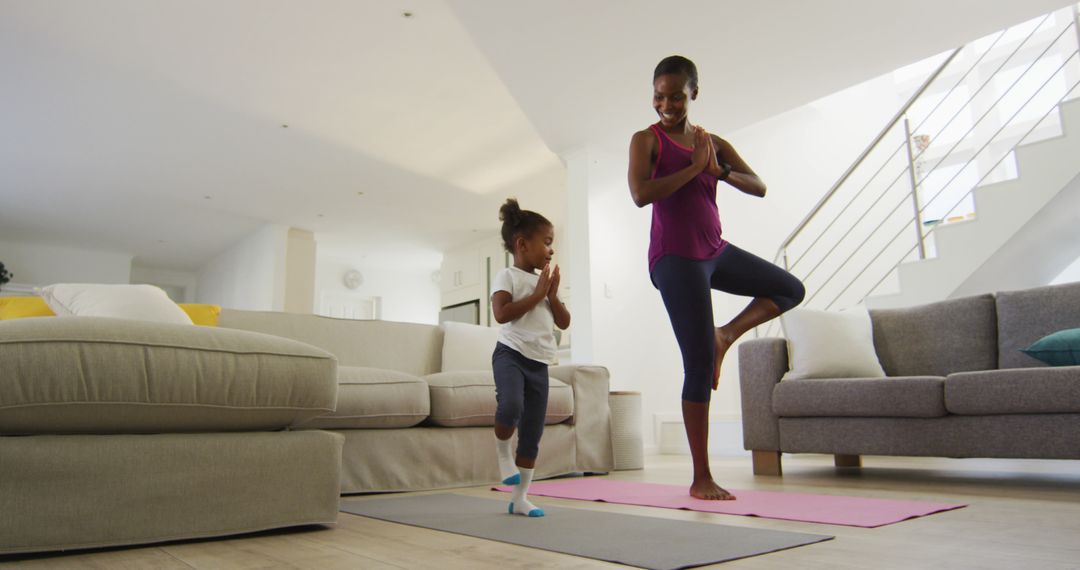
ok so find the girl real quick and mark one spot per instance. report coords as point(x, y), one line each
point(675, 166)
point(528, 307)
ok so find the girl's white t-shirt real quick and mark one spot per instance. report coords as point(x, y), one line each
point(532, 334)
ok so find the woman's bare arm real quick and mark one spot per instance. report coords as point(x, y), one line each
point(741, 177)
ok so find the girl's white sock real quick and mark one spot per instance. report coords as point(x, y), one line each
point(519, 504)
point(508, 472)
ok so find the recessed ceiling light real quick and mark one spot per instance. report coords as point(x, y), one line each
point(406, 14)
point(284, 126)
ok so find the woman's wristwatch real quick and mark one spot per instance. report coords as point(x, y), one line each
point(727, 171)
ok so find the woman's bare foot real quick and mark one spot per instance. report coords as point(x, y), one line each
point(708, 490)
point(723, 343)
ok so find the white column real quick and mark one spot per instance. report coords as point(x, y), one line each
point(300, 257)
point(578, 254)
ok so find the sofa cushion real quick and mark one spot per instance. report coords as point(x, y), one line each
point(1061, 348)
point(375, 398)
point(103, 375)
point(1026, 316)
point(903, 397)
point(122, 301)
point(24, 307)
point(937, 339)
point(467, 347)
point(408, 347)
point(202, 314)
point(1014, 391)
point(468, 399)
point(830, 344)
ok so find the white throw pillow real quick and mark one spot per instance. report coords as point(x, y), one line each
point(828, 344)
point(139, 302)
point(467, 347)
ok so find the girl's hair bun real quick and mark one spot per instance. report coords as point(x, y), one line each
point(510, 213)
point(518, 222)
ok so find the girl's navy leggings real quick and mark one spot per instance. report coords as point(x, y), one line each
point(686, 284)
point(521, 395)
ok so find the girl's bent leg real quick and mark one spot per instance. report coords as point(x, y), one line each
point(531, 427)
point(503, 432)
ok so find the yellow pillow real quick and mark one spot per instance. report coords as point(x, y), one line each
point(205, 315)
point(22, 307)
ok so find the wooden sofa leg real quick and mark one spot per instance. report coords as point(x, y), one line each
point(847, 460)
point(767, 463)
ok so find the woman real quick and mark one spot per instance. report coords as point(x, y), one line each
point(675, 166)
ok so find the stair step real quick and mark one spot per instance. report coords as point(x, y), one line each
point(1002, 207)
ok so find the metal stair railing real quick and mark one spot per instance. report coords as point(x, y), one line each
point(840, 271)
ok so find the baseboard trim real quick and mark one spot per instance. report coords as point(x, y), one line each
point(725, 435)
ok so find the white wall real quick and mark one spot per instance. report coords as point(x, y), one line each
point(168, 279)
point(38, 264)
point(250, 274)
point(1070, 275)
point(405, 285)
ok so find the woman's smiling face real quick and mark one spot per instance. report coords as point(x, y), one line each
point(671, 98)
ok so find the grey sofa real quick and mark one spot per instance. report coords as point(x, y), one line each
point(958, 385)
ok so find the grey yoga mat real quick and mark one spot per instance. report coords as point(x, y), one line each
point(646, 542)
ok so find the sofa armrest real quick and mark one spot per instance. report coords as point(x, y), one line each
point(762, 362)
point(592, 414)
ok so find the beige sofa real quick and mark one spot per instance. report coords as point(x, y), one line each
point(410, 425)
point(117, 432)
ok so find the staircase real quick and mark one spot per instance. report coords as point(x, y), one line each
point(973, 185)
point(1046, 169)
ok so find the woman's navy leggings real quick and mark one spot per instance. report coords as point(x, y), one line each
point(686, 284)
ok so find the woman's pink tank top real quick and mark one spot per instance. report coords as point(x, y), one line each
point(686, 223)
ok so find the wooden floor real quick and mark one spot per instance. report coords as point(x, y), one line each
point(1021, 514)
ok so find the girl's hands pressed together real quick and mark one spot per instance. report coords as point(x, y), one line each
point(543, 284)
point(558, 309)
point(553, 292)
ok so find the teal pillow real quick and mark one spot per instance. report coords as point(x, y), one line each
point(1057, 349)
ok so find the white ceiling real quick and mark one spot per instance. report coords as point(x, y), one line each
point(156, 128)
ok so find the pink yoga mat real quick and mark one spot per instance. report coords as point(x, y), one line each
point(827, 509)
